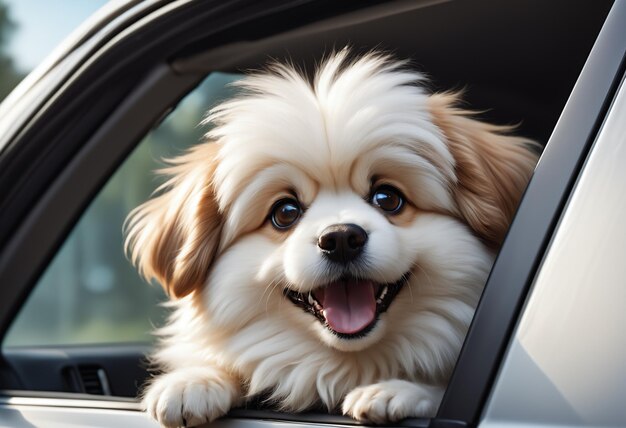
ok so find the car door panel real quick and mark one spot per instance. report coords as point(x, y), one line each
point(113, 370)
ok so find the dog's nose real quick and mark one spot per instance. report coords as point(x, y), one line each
point(342, 242)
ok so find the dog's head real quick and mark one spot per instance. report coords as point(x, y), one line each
point(319, 205)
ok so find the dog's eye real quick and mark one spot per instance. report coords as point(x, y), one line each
point(285, 213)
point(388, 199)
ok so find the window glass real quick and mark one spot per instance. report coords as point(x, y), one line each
point(90, 293)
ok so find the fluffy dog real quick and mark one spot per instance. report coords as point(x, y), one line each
point(327, 244)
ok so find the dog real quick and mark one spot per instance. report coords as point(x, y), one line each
point(327, 245)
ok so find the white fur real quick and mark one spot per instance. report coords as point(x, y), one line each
point(391, 400)
point(239, 336)
point(191, 396)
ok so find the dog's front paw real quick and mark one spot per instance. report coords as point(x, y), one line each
point(190, 397)
point(391, 401)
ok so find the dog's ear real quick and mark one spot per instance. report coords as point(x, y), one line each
point(174, 236)
point(492, 167)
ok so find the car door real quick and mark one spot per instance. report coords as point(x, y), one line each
point(82, 119)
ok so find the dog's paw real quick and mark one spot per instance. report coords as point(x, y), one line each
point(391, 401)
point(190, 397)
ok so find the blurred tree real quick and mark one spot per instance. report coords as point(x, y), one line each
point(9, 76)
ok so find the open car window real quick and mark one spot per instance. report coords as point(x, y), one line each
point(90, 293)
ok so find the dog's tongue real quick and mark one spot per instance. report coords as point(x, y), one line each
point(349, 305)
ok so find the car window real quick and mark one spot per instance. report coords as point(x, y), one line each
point(90, 293)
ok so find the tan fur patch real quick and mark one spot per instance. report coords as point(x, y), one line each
point(173, 237)
point(407, 215)
point(270, 231)
point(492, 168)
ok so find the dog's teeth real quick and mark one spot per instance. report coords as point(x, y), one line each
point(379, 301)
point(383, 293)
point(311, 300)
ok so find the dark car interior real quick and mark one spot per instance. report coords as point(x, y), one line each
point(516, 62)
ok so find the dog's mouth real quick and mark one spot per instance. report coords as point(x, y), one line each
point(348, 307)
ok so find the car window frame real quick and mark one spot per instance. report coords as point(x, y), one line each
point(467, 389)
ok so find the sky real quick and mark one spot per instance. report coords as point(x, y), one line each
point(43, 24)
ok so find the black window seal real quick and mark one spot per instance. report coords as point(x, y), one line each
point(533, 226)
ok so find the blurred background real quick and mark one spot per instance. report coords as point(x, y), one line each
point(90, 293)
point(31, 29)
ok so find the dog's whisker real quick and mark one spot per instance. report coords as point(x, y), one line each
point(423, 271)
point(269, 289)
point(266, 293)
point(408, 283)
